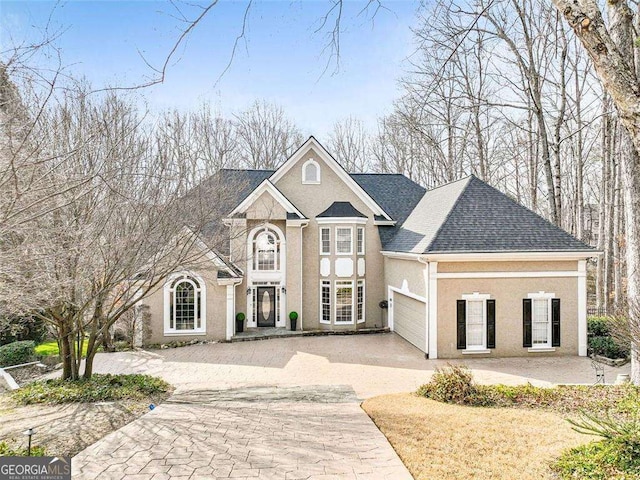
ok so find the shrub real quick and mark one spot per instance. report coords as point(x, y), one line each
point(7, 451)
point(240, 317)
point(99, 388)
point(451, 384)
point(598, 326)
point(16, 353)
point(16, 329)
point(607, 347)
point(602, 460)
point(293, 315)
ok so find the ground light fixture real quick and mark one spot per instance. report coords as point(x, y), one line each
point(29, 433)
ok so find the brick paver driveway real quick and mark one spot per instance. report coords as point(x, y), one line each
point(284, 408)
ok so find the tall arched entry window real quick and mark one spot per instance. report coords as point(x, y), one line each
point(266, 251)
point(266, 272)
point(185, 304)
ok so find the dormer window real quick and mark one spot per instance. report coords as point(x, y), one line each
point(311, 172)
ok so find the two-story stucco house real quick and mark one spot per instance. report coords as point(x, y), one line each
point(464, 269)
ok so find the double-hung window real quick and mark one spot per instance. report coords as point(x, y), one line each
point(541, 321)
point(476, 323)
point(325, 241)
point(344, 241)
point(360, 301)
point(325, 301)
point(360, 240)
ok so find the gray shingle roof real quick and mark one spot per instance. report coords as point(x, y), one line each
point(341, 209)
point(471, 216)
point(395, 193)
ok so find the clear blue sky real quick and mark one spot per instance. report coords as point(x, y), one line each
point(281, 58)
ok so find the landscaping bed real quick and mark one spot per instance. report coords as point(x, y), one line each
point(69, 416)
point(454, 428)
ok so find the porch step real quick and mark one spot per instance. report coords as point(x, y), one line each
point(255, 334)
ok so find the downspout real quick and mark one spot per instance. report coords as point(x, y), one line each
point(302, 227)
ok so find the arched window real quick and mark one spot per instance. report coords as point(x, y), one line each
point(311, 172)
point(266, 251)
point(185, 302)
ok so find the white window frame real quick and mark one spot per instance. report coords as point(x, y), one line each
point(350, 252)
point(477, 297)
point(169, 294)
point(305, 180)
point(542, 296)
point(360, 242)
point(322, 251)
point(337, 285)
point(361, 283)
point(323, 284)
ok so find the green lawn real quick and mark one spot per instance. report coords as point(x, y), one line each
point(51, 348)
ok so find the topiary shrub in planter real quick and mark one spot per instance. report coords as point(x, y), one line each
point(240, 322)
point(16, 353)
point(293, 318)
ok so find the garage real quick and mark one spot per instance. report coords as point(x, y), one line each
point(408, 317)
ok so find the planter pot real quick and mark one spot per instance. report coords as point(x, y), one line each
point(239, 325)
point(294, 323)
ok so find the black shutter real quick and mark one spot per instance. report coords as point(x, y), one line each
point(491, 324)
point(526, 322)
point(555, 322)
point(462, 324)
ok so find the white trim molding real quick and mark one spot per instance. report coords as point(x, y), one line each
point(341, 220)
point(305, 180)
point(494, 256)
point(432, 332)
point(551, 274)
point(582, 308)
point(326, 157)
point(266, 186)
point(167, 292)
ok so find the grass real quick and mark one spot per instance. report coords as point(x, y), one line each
point(51, 348)
point(438, 440)
point(98, 388)
point(611, 413)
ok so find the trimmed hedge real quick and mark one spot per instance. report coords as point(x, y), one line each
point(16, 353)
point(600, 340)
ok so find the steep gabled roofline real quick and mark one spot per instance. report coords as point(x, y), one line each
point(266, 186)
point(336, 167)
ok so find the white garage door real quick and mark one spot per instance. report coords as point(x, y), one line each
point(409, 319)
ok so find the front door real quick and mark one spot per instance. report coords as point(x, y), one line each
point(266, 306)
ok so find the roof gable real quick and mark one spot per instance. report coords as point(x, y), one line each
point(266, 187)
point(331, 162)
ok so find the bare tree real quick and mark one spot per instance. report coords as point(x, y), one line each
point(349, 142)
point(266, 137)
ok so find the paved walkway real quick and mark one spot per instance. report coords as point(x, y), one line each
point(266, 433)
point(283, 408)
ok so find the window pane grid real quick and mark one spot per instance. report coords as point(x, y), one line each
point(360, 301)
point(360, 240)
point(475, 323)
point(326, 302)
point(540, 322)
point(326, 240)
point(343, 240)
point(185, 306)
point(344, 302)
